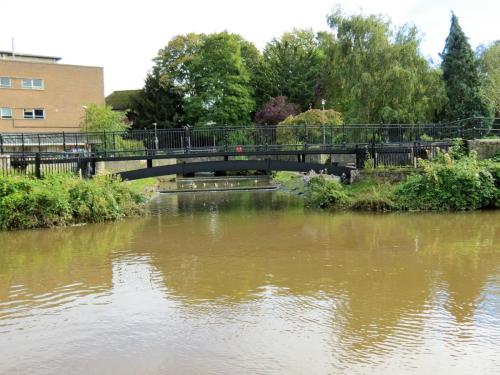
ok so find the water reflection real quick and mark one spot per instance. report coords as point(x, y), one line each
point(252, 283)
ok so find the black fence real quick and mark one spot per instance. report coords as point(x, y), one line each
point(42, 165)
point(40, 154)
point(244, 138)
point(360, 156)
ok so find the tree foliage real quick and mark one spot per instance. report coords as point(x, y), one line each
point(489, 59)
point(220, 84)
point(208, 77)
point(315, 117)
point(309, 131)
point(99, 118)
point(365, 67)
point(375, 73)
point(290, 67)
point(276, 110)
point(156, 103)
point(462, 77)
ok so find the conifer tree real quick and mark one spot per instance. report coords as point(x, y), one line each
point(462, 77)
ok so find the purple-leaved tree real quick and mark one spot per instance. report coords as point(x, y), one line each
point(276, 110)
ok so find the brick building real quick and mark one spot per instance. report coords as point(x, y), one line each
point(37, 94)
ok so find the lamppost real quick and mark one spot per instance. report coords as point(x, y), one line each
point(323, 102)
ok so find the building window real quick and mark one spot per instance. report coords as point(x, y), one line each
point(32, 83)
point(34, 113)
point(5, 113)
point(5, 82)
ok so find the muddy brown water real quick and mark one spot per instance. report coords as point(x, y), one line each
point(253, 283)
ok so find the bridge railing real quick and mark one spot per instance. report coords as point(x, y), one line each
point(255, 137)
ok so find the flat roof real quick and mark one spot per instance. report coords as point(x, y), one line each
point(9, 53)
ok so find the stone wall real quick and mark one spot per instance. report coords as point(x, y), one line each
point(485, 148)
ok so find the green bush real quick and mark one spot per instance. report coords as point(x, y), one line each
point(453, 181)
point(63, 199)
point(309, 132)
point(322, 192)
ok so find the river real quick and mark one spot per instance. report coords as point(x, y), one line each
point(253, 283)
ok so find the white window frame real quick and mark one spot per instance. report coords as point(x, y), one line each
point(33, 115)
point(2, 86)
point(31, 85)
point(2, 116)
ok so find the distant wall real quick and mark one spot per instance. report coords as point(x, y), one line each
point(111, 167)
point(485, 148)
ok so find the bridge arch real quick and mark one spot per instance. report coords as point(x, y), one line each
point(234, 165)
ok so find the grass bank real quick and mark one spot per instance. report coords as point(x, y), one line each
point(453, 181)
point(60, 200)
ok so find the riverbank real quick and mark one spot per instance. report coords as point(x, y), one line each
point(452, 181)
point(61, 200)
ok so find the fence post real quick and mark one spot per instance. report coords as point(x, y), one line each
point(22, 142)
point(105, 143)
point(415, 153)
point(38, 172)
point(373, 154)
point(64, 141)
point(1, 144)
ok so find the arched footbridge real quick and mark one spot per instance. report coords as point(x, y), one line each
point(236, 165)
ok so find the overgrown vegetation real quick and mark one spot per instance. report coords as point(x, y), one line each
point(59, 200)
point(452, 181)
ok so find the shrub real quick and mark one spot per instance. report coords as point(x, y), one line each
point(276, 110)
point(323, 192)
point(309, 132)
point(451, 182)
point(62, 199)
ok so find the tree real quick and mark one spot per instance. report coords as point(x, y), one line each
point(315, 117)
point(156, 103)
point(290, 67)
point(489, 60)
point(173, 63)
point(462, 77)
point(276, 110)
point(220, 84)
point(374, 72)
point(100, 118)
point(209, 78)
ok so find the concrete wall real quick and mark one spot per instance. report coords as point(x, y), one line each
point(66, 88)
point(110, 167)
point(485, 148)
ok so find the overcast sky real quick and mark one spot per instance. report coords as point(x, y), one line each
point(124, 35)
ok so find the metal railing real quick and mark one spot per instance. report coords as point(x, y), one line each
point(247, 138)
point(39, 154)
